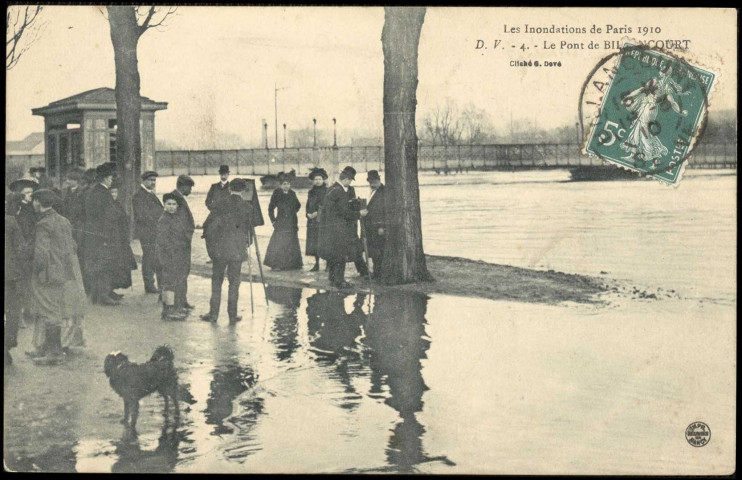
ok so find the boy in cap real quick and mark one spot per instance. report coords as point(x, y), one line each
point(220, 190)
point(173, 248)
point(183, 186)
point(147, 212)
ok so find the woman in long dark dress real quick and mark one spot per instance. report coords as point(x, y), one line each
point(314, 202)
point(284, 252)
point(125, 262)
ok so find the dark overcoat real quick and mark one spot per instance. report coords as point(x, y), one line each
point(184, 212)
point(227, 229)
point(216, 194)
point(375, 220)
point(26, 218)
point(339, 226)
point(125, 262)
point(101, 232)
point(147, 212)
point(17, 251)
point(77, 217)
point(314, 203)
point(173, 247)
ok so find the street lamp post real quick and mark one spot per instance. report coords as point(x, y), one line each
point(284, 135)
point(275, 109)
point(334, 133)
point(314, 120)
point(265, 126)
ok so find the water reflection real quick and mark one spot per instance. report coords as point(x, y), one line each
point(228, 382)
point(285, 323)
point(132, 459)
point(334, 333)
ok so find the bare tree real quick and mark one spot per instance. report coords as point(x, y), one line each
point(404, 258)
point(475, 125)
point(443, 126)
point(127, 24)
point(22, 29)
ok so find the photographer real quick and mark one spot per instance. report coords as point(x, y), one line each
point(339, 242)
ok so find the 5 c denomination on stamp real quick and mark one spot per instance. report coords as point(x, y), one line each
point(651, 110)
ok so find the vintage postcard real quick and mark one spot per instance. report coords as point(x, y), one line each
point(370, 240)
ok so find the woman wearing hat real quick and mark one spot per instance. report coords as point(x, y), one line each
point(284, 252)
point(314, 202)
point(125, 262)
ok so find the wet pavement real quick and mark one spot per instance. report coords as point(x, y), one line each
point(334, 382)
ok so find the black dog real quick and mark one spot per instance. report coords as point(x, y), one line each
point(133, 381)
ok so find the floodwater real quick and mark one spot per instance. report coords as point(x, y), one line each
point(401, 382)
point(681, 238)
point(333, 382)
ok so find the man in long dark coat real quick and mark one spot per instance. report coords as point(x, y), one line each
point(101, 235)
point(69, 194)
point(220, 190)
point(183, 187)
point(375, 221)
point(147, 211)
point(55, 274)
point(26, 218)
point(339, 242)
point(227, 234)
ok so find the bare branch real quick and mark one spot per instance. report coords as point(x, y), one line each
point(20, 33)
point(149, 18)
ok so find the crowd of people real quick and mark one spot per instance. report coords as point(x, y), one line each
point(61, 245)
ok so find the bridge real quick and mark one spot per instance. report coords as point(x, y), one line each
point(441, 159)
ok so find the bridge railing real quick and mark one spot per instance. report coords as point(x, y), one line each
point(262, 161)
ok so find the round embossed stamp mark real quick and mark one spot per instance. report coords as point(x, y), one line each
point(698, 434)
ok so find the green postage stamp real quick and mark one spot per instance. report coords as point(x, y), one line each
point(652, 113)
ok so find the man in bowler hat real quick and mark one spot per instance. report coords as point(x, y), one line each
point(100, 235)
point(375, 221)
point(339, 242)
point(227, 234)
point(220, 190)
point(147, 211)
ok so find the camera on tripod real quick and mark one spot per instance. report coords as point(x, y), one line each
point(358, 204)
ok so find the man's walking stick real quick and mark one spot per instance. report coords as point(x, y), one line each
point(365, 246)
point(249, 272)
point(260, 262)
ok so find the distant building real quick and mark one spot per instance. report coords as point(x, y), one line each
point(80, 131)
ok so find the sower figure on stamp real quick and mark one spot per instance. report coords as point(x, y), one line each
point(314, 201)
point(101, 235)
point(183, 187)
point(339, 242)
point(219, 191)
point(227, 234)
point(147, 211)
point(376, 221)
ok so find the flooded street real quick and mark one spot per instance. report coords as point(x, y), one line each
point(401, 382)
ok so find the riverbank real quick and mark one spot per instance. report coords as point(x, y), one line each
point(454, 276)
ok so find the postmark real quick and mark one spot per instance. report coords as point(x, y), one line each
point(698, 434)
point(646, 110)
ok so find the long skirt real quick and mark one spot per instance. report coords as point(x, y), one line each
point(284, 252)
point(312, 248)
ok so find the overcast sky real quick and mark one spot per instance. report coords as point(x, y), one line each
point(219, 65)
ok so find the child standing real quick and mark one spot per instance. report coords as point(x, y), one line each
point(173, 252)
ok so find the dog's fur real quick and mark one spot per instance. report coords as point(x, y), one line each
point(133, 381)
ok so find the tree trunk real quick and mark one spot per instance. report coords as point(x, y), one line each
point(125, 33)
point(404, 259)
